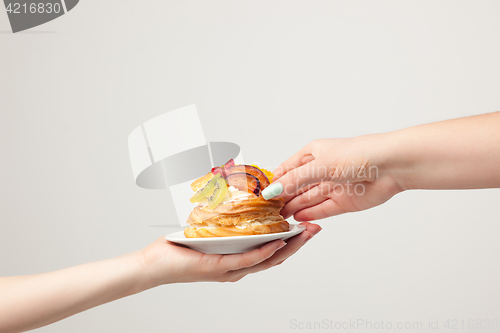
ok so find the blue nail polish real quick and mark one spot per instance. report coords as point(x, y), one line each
point(272, 190)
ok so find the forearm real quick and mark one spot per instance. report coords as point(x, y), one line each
point(461, 153)
point(28, 302)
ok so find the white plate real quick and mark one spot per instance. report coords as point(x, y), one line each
point(234, 244)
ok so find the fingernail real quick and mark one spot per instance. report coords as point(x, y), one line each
point(272, 190)
point(281, 246)
point(317, 231)
point(308, 238)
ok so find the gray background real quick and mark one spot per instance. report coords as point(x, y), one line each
point(270, 76)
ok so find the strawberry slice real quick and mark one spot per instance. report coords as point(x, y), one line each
point(218, 170)
point(224, 169)
point(226, 166)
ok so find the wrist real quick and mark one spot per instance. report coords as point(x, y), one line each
point(394, 159)
point(156, 263)
point(391, 160)
point(145, 273)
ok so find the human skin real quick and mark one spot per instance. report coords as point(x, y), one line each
point(321, 179)
point(28, 302)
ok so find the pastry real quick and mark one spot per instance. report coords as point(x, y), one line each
point(229, 203)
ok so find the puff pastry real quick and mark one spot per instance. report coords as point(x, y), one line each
point(251, 216)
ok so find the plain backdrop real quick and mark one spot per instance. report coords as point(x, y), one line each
point(270, 76)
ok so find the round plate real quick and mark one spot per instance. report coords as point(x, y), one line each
point(233, 244)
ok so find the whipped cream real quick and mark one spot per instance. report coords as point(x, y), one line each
point(233, 195)
point(259, 221)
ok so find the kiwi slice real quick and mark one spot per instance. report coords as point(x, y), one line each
point(206, 190)
point(219, 193)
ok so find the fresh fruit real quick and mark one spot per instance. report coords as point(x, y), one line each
point(224, 169)
point(229, 163)
point(244, 182)
point(256, 172)
point(207, 190)
point(219, 193)
point(200, 182)
point(268, 173)
point(218, 171)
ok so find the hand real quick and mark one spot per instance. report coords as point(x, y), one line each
point(334, 176)
point(166, 262)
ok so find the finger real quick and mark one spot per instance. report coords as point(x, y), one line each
point(312, 197)
point(300, 161)
point(279, 263)
point(311, 227)
point(296, 179)
point(290, 196)
point(300, 158)
point(293, 245)
point(322, 210)
point(237, 261)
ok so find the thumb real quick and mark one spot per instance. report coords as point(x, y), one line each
point(310, 173)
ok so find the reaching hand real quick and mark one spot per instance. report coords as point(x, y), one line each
point(333, 176)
